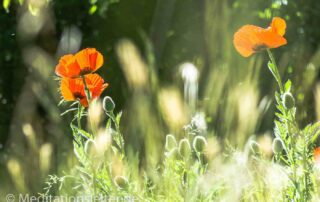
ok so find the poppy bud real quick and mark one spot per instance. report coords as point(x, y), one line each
point(184, 148)
point(199, 144)
point(255, 147)
point(277, 145)
point(288, 100)
point(89, 146)
point(121, 182)
point(108, 104)
point(171, 142)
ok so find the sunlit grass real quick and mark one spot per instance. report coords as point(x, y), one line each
point(194, 137)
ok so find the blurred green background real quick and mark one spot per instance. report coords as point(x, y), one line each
point(34, 34)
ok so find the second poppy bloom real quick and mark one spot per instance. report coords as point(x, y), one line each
point(316, 155)
point(250, 38)
point(84, 62)
point(74, 89)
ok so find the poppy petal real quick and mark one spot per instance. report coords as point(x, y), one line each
point(278, 25)
point(72, 89)
point(246, 39)
point(98, 91)
point(250, 39)
point(65, 90)
point(316, 156)
point(95, 84)
point(67, 67)
point(84, 102)
point(89, 60)
point(271, 39)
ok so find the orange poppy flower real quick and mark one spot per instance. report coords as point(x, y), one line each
point(316, 155)
point(250, 38)
point(84, 62)
point(74, 89)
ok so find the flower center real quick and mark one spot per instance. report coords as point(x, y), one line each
point(86, 70)
point(260, 47)
point(78, 95)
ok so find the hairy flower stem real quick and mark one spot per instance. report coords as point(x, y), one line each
point(86, 88)
point(275, 72)
point(79, 115)
point(297, 157)
point(286, 138)
point(118, 138)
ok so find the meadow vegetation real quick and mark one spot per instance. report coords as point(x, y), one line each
point(228, 112)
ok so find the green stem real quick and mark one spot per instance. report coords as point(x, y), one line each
point(275, 72)
point(94, 182)
point(79, 114)
point(119, 139)
point(86, 88)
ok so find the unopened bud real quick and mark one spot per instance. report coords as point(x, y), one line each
point(89, 146)
point(121, 182)
point(288, 100)
point(255, 147)
point(108, 104)
point(184, 148)
point(277, 145)
point(171, 142)
point(199, 144)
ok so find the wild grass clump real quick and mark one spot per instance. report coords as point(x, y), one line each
point(191, 163)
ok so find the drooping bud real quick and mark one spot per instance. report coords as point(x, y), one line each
point(121, 182)
point(108, 104)
point(184, 148)
point(277, 145)
point(199, 144)
point(171, 142)
point(288, 100)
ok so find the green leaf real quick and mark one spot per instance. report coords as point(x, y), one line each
point(315, 131)
point(118, 118)
point(287, 86)
point(279, 130)
point(77, 133)
point(271, 66)
point(93, 9)
point(67, 111)
point(278, 97)
point(6, 4)
point(108, 125)
point(60, 103)
point(273, 69)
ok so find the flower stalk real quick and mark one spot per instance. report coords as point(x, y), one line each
point(275, 72)
point(87, 91)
